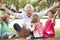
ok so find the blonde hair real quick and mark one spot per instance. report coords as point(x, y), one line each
point(35, 18)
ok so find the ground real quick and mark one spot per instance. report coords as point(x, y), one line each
point(57, 30)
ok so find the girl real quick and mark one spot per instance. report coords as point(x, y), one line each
point(48, 31)
point(4, 27)
point(37, 27)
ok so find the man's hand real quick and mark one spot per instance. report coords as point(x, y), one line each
point(3, 6)
point(56, 4)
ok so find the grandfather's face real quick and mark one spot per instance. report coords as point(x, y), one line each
point(29, 12)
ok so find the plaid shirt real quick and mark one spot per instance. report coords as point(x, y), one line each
point(38, 29)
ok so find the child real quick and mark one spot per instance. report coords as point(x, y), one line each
point(4, 27)
point(0, 27)
point(21, 31)
point(48, 31)
point(37, 27)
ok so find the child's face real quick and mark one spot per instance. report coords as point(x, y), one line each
point(50, 14)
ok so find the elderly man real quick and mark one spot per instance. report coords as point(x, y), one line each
point(27, 14)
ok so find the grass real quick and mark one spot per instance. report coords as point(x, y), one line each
point(57, 34)
point(57, 30)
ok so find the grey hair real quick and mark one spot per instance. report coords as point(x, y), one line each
point(29, 6)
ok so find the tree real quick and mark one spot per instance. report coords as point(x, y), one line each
point(41, 4)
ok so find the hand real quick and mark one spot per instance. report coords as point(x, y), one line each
point(56, 4)
point(3, 6)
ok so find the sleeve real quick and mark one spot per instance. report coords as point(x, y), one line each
point(43, 13)
point(17, 15)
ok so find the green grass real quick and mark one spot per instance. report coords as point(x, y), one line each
point(57, 30)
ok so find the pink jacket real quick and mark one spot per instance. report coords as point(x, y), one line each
point(48, 31)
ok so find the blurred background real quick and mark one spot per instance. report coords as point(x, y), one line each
point(39, 5)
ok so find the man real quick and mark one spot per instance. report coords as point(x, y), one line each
point(27, 14)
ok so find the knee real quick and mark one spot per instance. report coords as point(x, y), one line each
point(15, 24)
point(17, 27)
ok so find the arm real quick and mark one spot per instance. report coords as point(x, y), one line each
point(56, 14)
point(32, 29)
point(45, 12)
point(3, 6)
point(16, 15)
point(9, 11)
